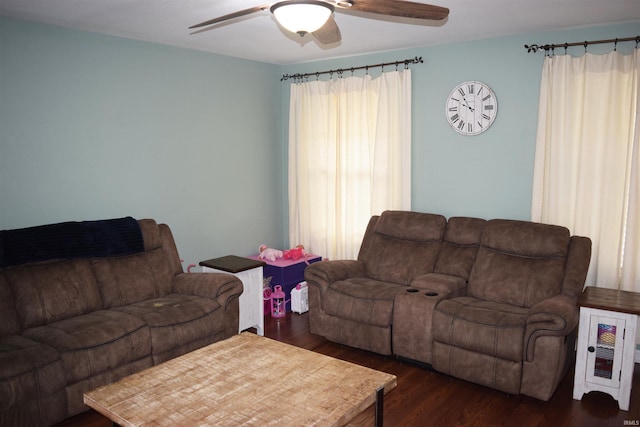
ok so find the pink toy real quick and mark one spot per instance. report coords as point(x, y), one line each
point(295, 253)
point(266, 295)
point(278, 304)
point(269, 253)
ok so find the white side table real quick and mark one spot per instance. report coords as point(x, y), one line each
point(606, 343)
point(249, 271)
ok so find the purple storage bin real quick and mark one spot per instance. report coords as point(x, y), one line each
point(286, 273)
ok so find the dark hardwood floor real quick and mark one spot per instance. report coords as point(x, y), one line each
point(427, 398)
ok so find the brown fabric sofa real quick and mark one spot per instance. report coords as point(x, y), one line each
point(83, 304)
point(492, 302)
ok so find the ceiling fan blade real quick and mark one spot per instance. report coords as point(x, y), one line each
point(405, 9)
point(329, 33)
point(231, 16)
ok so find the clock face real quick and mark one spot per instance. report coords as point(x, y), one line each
point(471, 108)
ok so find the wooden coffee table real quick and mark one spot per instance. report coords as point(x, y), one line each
point(244, 380)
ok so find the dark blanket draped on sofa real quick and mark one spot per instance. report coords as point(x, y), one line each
point(69, 240)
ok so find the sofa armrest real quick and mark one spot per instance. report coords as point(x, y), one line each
point(323, 273)
point(217, 286)
point(557, 316)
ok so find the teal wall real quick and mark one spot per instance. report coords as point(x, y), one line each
point(93, 127)
point(488, 175)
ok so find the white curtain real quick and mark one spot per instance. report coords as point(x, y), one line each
point(349, 158)
point(587, 157)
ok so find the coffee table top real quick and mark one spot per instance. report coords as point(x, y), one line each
point(244, 380)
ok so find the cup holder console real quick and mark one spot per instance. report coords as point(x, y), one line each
point(415, 291)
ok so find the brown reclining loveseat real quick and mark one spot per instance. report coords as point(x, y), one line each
point(492, 302)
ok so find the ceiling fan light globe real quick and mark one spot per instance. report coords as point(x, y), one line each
point(304, 16)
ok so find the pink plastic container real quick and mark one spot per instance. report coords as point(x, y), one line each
point(278, 303)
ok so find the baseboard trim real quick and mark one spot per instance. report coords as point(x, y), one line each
point(636, 356)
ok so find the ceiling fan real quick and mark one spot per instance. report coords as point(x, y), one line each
point(316, 16)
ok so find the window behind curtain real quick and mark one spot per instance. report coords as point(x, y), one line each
point(349, 158)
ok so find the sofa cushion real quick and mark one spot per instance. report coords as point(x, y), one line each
point(402, 245)
point(9, 322)
point(362, 300)
point(134, 278)
point(150, 234)
point(96, 342)
point(176, 320)
point(27, 368)
point(460, 246)
point(485, 327)
point(50, 291)
point(519, 263)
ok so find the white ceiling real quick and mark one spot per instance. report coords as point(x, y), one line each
point(258, 37)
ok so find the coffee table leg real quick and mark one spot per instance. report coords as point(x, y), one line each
point(379, 407)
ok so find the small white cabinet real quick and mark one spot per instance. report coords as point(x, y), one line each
point(606, 343)
point(249, 271)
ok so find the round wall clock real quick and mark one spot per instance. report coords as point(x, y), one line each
point(471, 108)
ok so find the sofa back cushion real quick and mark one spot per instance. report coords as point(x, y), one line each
point(9, 322)
point(519, 263)
point(133, 278)
point(49, 291)
point(400, 245)
point(150, 234)
point(460, 246)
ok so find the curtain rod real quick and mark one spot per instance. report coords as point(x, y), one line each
point(339, 71)
point(534, 47)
